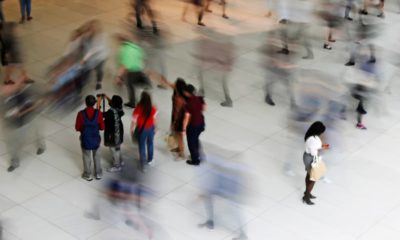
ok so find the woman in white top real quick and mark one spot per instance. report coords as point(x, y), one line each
point(313, 145)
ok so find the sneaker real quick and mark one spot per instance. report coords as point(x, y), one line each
point(361, 126)
point(114, 169)
point(327, 46)
point(87, 177)
point(350, 63)
point(98, 176)
point(151, 163)
point(40, 151)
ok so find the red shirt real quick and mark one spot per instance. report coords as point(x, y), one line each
point(194, 106)
point(140, 118)
point(90, 114)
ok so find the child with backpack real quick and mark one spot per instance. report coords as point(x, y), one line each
point(89, 122)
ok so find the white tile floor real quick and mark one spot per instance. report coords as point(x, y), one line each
point(46, 198)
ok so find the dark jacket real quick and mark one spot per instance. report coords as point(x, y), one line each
point(112, 120)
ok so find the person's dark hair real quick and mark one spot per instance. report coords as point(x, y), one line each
point(180, 86)
point(90, 100)
point(190, 89)
point(316, 129)
point(116, 102)
point(146, 104)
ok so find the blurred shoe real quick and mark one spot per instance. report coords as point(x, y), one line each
point(30, 18)
point(114, 169)
point(155, 30)
point(350, 63)
point(326, 180)
point(9, 82)
point(201, 24)
point(227, 104)
point(190, 162)
point(99, 176)
point(225, 16)
point(22, 20)
point(381, 15)
point(175, 150)
point(209, 10)
point(209, 224)
point(87, 177)
point(363, 12)
point(129, 105)
point(29, 81)
point(349, 18)
point(332, 40)
point(98, 86)
point(284, 51)
point(309, 56)
point(327, 46)
point(40, 151)
point(372, 60)
point(311, 196)
point(269, 101)
point(361, 126)
point(11, 168)
point(151, 163)
point(283, 21)
point(161, 86)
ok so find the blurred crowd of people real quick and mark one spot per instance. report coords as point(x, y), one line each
point(315, 97)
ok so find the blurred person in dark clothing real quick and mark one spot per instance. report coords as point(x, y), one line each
point(216, 50)
point(330, 13)
point(349, 6)
point(11, 53)
point(222, 3)
point(144, 6)
point(89, 122)
point(20, 105)
point(199, 7)
point(367, 28)
point(280, 68)
point(26, 6)
point(194, 124)
point(114, 131)
point(131, 67)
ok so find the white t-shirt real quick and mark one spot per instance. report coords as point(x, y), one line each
point(313, 144)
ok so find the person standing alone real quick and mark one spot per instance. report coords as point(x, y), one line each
point(194, 123)
point(89, 122)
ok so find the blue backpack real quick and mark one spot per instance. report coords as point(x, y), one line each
point(90, 136)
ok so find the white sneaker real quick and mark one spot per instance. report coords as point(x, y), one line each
point(151, 163)
point(114, 169)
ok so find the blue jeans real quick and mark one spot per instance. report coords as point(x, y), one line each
point(25, 8)
point(146, 138)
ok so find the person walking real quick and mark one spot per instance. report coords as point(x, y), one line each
point(131, 66)
point(143, 128)
point(25, 6)
point(194, 123)
point(143, 6)
point(222, 3)
point(114, 131)
point(199, 7)
point(313, 145)
point(89, 122)
point(96, 51)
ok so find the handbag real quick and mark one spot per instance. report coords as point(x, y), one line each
point(138, 131)
point(318, 169)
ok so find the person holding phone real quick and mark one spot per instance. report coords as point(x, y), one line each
point(313, 145)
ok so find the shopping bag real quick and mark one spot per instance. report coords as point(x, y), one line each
point(318, 169)
point(171, 141)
